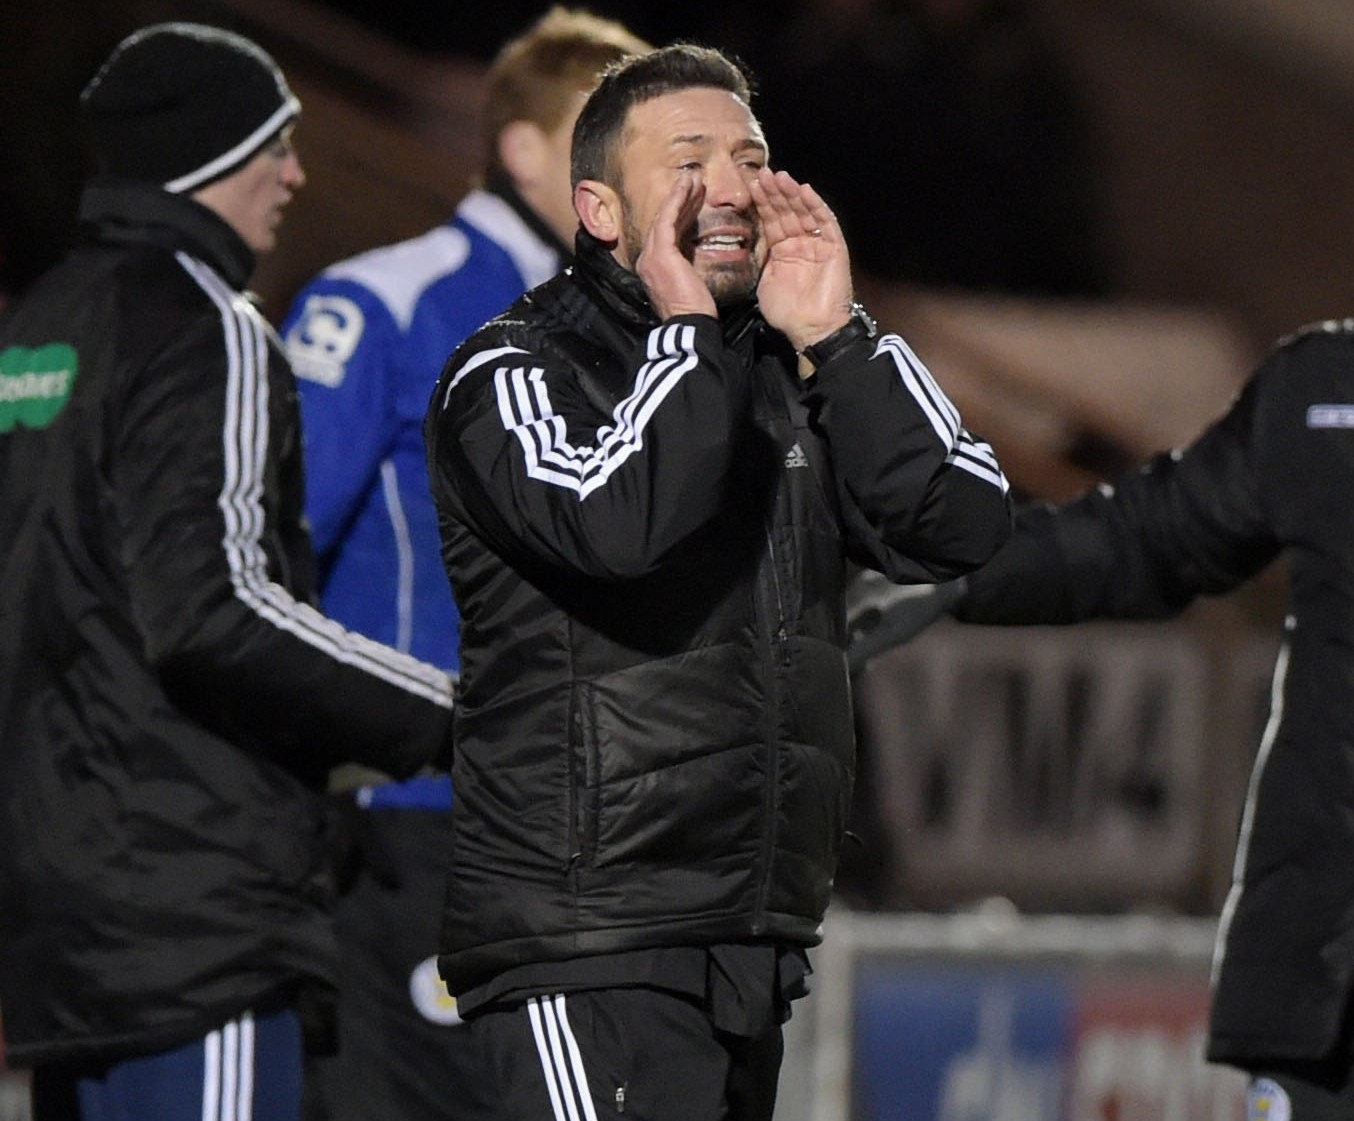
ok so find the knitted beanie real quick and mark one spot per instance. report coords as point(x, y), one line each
point(183, 104)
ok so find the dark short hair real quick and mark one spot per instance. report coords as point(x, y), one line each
point(633, 81)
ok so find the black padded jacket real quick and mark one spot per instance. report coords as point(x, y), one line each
point(648, 527)
point(1273, 476)
point(168, 696)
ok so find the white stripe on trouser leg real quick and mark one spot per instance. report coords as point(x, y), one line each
point(245, 1108)
point(575, 1059)
point(547, 1067)
point(230, 1069)
point(211, 1076)
point(228, 1072)
point(561, 1062)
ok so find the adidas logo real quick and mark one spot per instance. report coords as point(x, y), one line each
point(795, 457)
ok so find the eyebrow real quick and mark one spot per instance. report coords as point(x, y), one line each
point(699, 138)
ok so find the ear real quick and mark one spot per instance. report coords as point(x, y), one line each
point(522, 151)
point(599, 209)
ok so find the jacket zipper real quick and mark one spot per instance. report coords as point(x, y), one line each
point(771, 721)
point(782, 634)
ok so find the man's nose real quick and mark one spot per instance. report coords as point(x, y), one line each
point(293, 174)
point(726, 184)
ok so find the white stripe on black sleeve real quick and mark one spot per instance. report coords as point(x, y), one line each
point(527, 413)
point(978, 458)
point(924, 388)
point(245, 443)
point(963, 451)
point(474, 364)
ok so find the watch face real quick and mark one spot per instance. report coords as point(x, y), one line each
point(867, 320)
point(860, 327)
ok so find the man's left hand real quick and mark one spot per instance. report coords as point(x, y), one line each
point(805, 290)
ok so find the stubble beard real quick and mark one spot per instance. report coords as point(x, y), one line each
point(730, 285)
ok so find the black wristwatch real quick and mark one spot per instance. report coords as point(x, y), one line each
point(859, 327)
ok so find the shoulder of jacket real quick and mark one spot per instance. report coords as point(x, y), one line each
point(164, 276)
point(184, 293)
point(1322, 349)
point(1329, 330)
point(503, 335)
point(397, 276)
point(1310, 369)
point(533, 328)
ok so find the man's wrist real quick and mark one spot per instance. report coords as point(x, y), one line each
point(858, 328)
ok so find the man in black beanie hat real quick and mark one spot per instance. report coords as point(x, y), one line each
point(181, 104)
point(169, 698)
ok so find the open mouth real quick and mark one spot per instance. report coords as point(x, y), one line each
point(724, 243)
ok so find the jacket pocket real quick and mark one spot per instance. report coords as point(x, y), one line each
point(584, 775)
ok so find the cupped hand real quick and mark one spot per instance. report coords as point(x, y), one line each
point(674, 286)
point(805, 290)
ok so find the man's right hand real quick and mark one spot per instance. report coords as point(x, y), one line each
point(674, 286)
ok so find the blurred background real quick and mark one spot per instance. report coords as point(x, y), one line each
point(1091, 218)
point(1192, 153)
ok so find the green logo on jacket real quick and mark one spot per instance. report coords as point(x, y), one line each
point(35, 384)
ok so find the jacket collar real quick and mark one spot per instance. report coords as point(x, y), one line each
point(127, 212)
point(624, 295)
